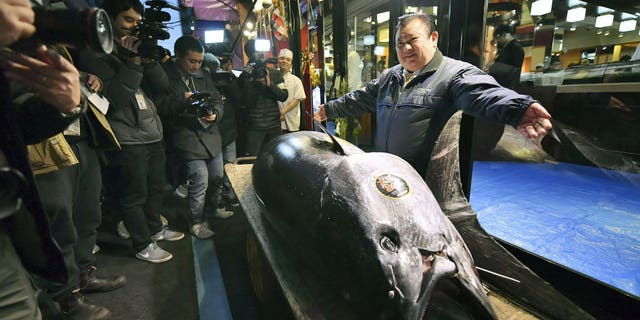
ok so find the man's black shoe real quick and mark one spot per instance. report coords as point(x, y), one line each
point(90, 283)
point(76, 307)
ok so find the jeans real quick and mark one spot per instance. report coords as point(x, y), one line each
point(205, 182)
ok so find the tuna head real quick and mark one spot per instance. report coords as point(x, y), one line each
point(403, 257)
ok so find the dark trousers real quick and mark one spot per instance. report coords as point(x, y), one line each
point(17, 296)
point(71, 198)
point(140, 174)
point(257, 138)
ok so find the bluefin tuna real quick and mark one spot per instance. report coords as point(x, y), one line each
point(370, 221)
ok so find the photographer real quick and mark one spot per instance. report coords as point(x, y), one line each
point(227, 84)
point(25, 241)
point(262, 88)
point(139, 168)
point(192, 110)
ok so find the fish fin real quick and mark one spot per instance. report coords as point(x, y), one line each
point(337, 147)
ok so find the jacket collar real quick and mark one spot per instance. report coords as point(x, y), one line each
point(173, 72)
point(431, 67)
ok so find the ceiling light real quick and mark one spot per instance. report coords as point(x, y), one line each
point(627, 25)
point(602, 10)
point(541, 7)
point(605, 20)
point(576, 14)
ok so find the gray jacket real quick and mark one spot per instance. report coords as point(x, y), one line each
point(410, 119)
point(132, 114)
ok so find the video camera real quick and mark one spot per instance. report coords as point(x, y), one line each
point(258, 68)
point(76, 28)
point(201, 103)
point(152, 28)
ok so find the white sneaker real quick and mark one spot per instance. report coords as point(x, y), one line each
point(154, 254)
point(222, 213)
point(122, 231)
point(166, 234)
point(202, 230)
point(182, 190)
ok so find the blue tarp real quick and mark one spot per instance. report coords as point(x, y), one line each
point(584, 218)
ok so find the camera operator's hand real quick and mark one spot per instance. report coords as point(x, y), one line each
point(210, 118)
point(94, 82)
point(16, 21)
point(53, 77)
point(131, 43)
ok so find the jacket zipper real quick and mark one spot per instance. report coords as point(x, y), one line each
point(393, 115)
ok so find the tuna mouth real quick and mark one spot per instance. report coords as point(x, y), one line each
point(442, 295)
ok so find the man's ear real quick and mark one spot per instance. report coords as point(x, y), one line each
point(434, 36)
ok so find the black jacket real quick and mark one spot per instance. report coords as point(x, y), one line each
point(30, 123)
point(261, 102)
point(410, 119)
point(189, 139)
point(123, 82)
point(232, 100)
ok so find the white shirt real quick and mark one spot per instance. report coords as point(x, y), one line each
point(296, 92)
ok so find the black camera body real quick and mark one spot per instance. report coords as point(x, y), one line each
point(258, 68)
point(201, 104)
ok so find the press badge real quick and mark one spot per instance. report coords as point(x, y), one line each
point(99, 102)
point(142, 103)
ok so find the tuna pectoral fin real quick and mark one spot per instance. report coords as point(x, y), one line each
point(531, 292)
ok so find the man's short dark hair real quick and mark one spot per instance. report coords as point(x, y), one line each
point(114, 7)
point(427, 20)
point(185, 44)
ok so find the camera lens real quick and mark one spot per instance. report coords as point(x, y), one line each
point(91, 27)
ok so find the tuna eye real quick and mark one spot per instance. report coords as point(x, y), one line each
point(388, 244)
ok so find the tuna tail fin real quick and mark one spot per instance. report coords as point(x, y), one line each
point(337, 147)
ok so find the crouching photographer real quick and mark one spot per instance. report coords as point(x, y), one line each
point(191, 111)
point(25, 239)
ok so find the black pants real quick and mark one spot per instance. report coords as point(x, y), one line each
point(257, 138)
point(17, 295)
point(140, 175)
point(71, 198)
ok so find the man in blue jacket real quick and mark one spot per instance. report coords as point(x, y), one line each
point(414, 100)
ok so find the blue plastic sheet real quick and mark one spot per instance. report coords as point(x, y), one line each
point(584, 218)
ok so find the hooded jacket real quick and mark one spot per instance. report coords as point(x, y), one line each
point(410, 117)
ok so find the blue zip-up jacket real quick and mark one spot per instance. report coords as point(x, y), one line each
point(409, 119)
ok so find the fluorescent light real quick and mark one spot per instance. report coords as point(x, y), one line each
point(541, 7)
point(627, 25)
point(575, 3)
point(605, 20)
point(602, 10)
point(382, 17)
point(378, 50)
point(576, 14)
point(214, 36)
